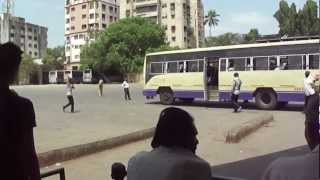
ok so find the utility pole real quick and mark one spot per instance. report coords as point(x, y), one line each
point(8, 6)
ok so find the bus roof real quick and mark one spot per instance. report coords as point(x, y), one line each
point(240, 46)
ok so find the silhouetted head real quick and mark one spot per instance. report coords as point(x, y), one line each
point(118, 171)
point(175, 128)
point(312, 123)
point(306, 74)
point(10, 59)
point(236, 75)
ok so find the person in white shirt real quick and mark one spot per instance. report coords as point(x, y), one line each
point(69, 94)
point(100, 87)
point(126, 88)
point(173, 156)
point(236, 86)
point(304, 167)
point(306, 89)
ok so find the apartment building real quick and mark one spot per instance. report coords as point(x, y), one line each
point(83, 18)
point(30, 37)
point(182, 19)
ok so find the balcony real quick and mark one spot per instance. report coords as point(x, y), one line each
point(145, 3)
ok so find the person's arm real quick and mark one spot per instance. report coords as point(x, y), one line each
point(28, 147)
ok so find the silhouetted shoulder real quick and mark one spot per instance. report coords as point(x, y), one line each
point(23, 108)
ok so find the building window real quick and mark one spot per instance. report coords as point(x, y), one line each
point(30, 45)
point(111, 9)
point(164, 5)
point(12, 35)
point(104, 25)
point(104, 7)
point(97, 15)
point(84, 6)
point(75, 68)
point(84, 26)
point(91, 16)
point(73, 18)
point(111, 18)
point(75, 37)
point(67, 21)
point(30, 53)
point(127, 13)
point(76, 56)
point(73, 9)
point(67, 29)
point(35, 38)
point(173, 16)
point(72, 28)
point(29, 29)
point(173, 29)
point(84, 16)
point(172, 7)
point(103, 17)
point(35, 46)
point(128, 1)
point(173, 38)
point(115, 10)
point(30, 37)
point(67, 11)
point(35, 54)
point(91, 5)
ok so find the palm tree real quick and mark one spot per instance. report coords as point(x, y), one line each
point(211, 19)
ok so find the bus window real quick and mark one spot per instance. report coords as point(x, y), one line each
point(192, 66)
point(172, 67)
point(272, 63)
point(260, 63)
point(314, 61)
point(156, 68)
point(290, 62)
point(201, 65)
point(181, 66)
point(304, 59)
point(238, 64)
point(248, 64)
point(223, 65)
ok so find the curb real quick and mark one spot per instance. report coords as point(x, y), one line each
point(69, 153)
point(236, 134)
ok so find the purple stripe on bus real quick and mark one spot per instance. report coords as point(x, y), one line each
point(149, 93)
point(189, 94)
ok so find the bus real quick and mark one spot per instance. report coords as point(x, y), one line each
point(61, 76)
point(272, 73)
point(92, 77)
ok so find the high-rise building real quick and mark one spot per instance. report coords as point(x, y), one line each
point(182, 19)
point(30, 37)
point(82, 19)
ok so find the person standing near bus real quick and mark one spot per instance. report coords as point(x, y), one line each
point(69, 94)
point(126, 89)
point(100, 87)
point(308, 88)
point(236, 86)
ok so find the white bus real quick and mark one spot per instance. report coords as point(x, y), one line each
point(272, 73)
point(61, 76)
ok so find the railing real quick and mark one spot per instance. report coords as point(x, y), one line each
point(59, 171)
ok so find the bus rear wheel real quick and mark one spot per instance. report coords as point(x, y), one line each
point(166, 98)
point(266, 99)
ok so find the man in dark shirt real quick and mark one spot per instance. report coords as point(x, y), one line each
point(17, 120)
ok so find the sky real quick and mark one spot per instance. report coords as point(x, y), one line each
point(237, 16)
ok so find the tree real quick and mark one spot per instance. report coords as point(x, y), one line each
point(27, 70)
point(211, 19)
point(122, 47)
point(252, 36)
point(225, 39)
point(294, 23)
point(54, 58)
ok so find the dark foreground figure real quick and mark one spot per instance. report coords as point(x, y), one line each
point(18, 159)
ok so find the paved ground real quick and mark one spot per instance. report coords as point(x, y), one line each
point(99, 118)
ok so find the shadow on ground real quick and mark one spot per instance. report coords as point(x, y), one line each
point(225, 105)
point(253, 168)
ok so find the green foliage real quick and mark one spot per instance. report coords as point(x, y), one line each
point(27, 69)
point(211, 19)
point(294, 23)
point(54, 58)
point(164, 47)
point(122, 46)
point(225, 39)
point(252, 36)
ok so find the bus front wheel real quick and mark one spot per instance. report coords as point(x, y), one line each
point(166, 98)
point(266, 99)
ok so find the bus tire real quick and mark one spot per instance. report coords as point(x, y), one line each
point(266, 99)
point(166, 98)
point(187, 100)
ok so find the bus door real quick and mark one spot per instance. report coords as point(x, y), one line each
point(212, 78)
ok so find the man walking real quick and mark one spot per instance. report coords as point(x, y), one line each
point(69, 94)
point(236, 86)
point(126, 87)
point(308, 88)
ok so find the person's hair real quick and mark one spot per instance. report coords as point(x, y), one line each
point(307, 74)
point(118, 171)
point(175, 128)
point(236, 74)
point(10, 59)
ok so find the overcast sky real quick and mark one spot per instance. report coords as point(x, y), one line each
point(237, 16)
